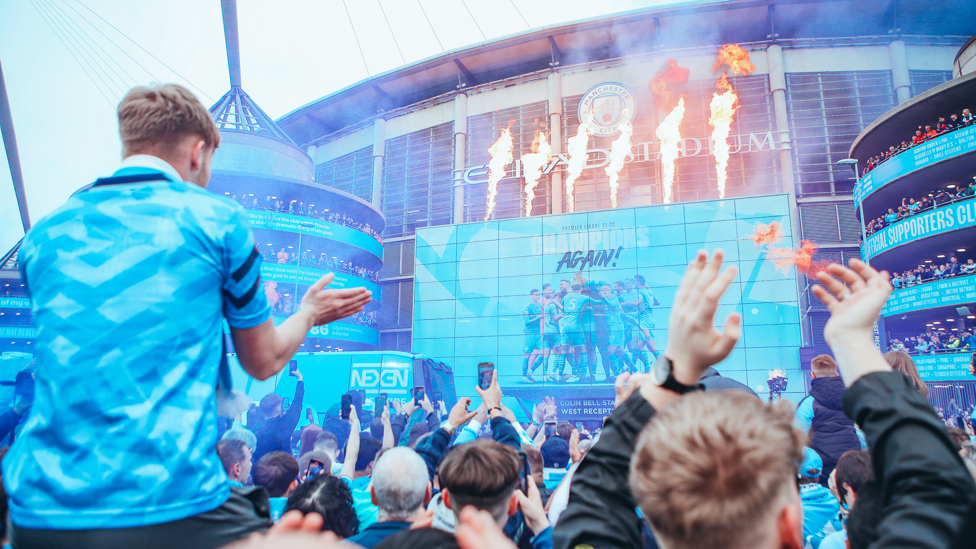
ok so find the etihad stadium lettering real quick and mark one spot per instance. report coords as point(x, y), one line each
point(649, 151)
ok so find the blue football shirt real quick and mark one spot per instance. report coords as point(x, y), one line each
point(130, 285)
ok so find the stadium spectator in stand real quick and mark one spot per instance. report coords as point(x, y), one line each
point(276, 472)
point(140, 386)
point(331, 499)
point(235, 456)
point(400, 488)
point(707, 478)
point(275, 431)
point(821, 414)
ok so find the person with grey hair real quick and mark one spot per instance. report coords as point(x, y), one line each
point(400, 488)
point(243, 435)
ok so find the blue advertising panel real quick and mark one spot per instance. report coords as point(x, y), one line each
point(954, 291)
point(15, 303)
point(292, 274)
point(943, 367)
point(309, 226)
point(473, 303)
point(342, 330)
point(945, 146)
point(952, 217)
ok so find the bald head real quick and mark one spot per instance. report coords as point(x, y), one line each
point(400, 484)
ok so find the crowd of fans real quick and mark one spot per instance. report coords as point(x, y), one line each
point(910, 206)
point(930, 273)
point(936, 342)
point(323, 262)
point(922, 135)
point(118, 446)
point(298, 207)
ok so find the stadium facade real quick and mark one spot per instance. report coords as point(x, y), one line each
point(408, 149)
point(414, 141)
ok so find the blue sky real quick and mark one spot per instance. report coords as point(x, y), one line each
point(293, 52)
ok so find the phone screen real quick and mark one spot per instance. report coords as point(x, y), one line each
point(579, 426)
point(485, 370)
point(525, 474)
point(292, 367)
point(438, 397)
point(379, 405)
point(418, 395)
point(314, 468)
point(346, 404)
point(550, 428)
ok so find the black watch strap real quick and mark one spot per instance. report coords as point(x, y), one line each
point(672, 384)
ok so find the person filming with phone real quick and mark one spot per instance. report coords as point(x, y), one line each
point(275, 431)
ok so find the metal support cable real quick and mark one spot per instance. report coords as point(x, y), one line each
point(431, 26)
point(402, 58)
point(13, 156)
point(356, 37)
point(86, 41)
point(71, 52)
point(524, 20)
point(147, 51)
point(92, 25)
point(465, 4)
point(82, 51)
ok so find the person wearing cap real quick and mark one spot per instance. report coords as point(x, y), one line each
point(819, 505)
point(555, 460)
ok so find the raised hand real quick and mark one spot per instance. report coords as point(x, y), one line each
point(324, 306)
point(459, 413)
point(694, 343)
point(854, 298)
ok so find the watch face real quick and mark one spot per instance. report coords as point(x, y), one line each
point(661, 370)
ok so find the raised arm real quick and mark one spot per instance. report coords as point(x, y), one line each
point(265, 349)
point(352, 446)
point(930, 499)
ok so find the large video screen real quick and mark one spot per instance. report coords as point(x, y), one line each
point(561, 303)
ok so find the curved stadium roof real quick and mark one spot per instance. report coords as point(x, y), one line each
point(692, 24)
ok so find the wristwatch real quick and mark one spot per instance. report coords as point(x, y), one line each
point(662, 375)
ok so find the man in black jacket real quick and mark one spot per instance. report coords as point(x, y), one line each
point(930, 498)
point(821, 415)
point(275, 432)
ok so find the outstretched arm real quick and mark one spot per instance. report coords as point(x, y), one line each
point(930, 499)
point(265, 349)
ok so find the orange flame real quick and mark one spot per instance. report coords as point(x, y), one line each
point(767, 234)
point(723, 111)
point(532, 164)
point(776, 373)
point(619, 150)
point(736, 57)
point(784, 258)
point(670, 135)
point(662, 81)
point(501, 157)
point(577, 161)
point(802, 259)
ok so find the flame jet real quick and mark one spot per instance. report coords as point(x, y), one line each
point(577, 161)
point(723, 107)
point(532, 164)
point(501, 157)
point(669, 130)
point(784, 258)
point(669, 133)
point(619, 150)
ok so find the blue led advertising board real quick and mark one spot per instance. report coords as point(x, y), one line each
point(473, 302)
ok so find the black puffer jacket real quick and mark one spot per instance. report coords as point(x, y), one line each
point(831, 432)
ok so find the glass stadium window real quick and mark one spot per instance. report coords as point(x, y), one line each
point(351, 173)
point(417, 180)
point(923, 81)
point(827, 110)
point(483, 130)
